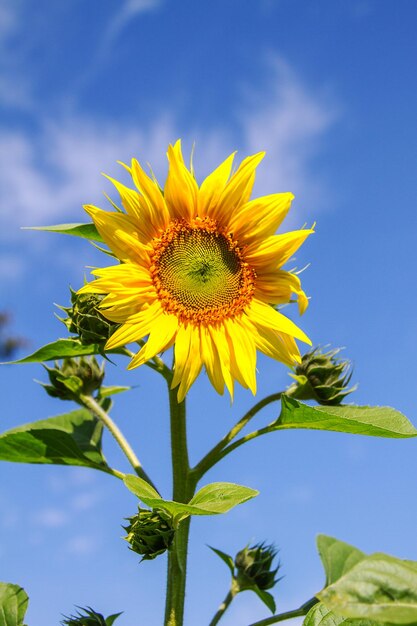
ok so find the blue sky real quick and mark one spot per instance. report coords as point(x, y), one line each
point(328, 89)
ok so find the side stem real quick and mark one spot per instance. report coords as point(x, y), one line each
point(303, 610)
point(93, 405)
point(234, 589)
point(183, 490)
point(215, 453)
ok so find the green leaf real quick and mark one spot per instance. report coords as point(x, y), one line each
point(60, 349)
point(86, 231)
point(142, 489)
point(337, 556)
point(69, 439)
point(266, 598)
point(226, 558)
point(221, 497)
point(13, 604)
point(112, 618)
point(377, 421)
point(319, 615)
point(105, 392)
point(380, 587)
point(210, 500)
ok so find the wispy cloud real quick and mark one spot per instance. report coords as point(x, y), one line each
point(45, 178)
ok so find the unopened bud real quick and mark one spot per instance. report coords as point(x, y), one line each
point(86, 320)
point(74, 377)
point(254, 567)
point(321, 376)
point(150, 533)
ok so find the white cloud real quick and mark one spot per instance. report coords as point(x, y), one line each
point(82, 545)
point(46, 178)
point(51, 518)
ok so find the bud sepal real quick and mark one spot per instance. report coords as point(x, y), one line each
point(74, 377)
point(322, 377)
point(150, 533)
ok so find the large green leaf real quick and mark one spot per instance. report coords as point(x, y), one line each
point(337, 557)
point(210, 500)
point(70, 439)
point(320, 615)
point(60, 349)
point(86, 231)
point(379, 421)
point(380, 587)
point(221, 497)
point(13, 604)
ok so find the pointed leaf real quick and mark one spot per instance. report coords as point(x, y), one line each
point(337, 557)
point(13, 604)
point(320, 615)
point(86, 231)
point(210, 500)
point(60, 349)
point(266, 598)
point(221, 497)
point(378, 421)
point(112, 618)
point(69, 439)
point(226, 558)
point(380, 587)
point(140, 488)
point(105, 392)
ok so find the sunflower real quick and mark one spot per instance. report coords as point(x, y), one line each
point(200, 271)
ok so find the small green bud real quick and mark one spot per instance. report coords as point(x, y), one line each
point(254, 567)
point(150, 533)
point(73, 377)
point(86, 320)
point(321, 376)
point(89, 617)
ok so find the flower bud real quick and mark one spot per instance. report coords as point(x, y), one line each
point(322, 377)
point(73, 377)
point(150, 533)
point(87, 618)
point(85, 319)
point(253, 565)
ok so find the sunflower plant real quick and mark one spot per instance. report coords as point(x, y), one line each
point(196, 271)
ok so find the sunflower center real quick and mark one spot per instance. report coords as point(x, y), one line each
point(199, 273)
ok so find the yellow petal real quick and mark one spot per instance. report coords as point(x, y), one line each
point(212, 187)
point(277, 345)
point(210, 358)
point(237, 190)
point(120, 234)
point(276, 250)
point(188, 362)
point(219, 339)
point(160, 337)
point(277, 287)
point(155, 215)
point(243, 352)
point(136, 330)
point(264, 315)
point(136, 208)
point(260, 218)
point(180, 188)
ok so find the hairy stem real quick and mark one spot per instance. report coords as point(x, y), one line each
point(216, 453)
point(300, 612)
point(94, 407)
point(183, 490)
point(234, 589)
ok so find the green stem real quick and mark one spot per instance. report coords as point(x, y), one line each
point(303, 610)
point(234, 589)
point(184, 485)
point(216, 453)
point(94, 407)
